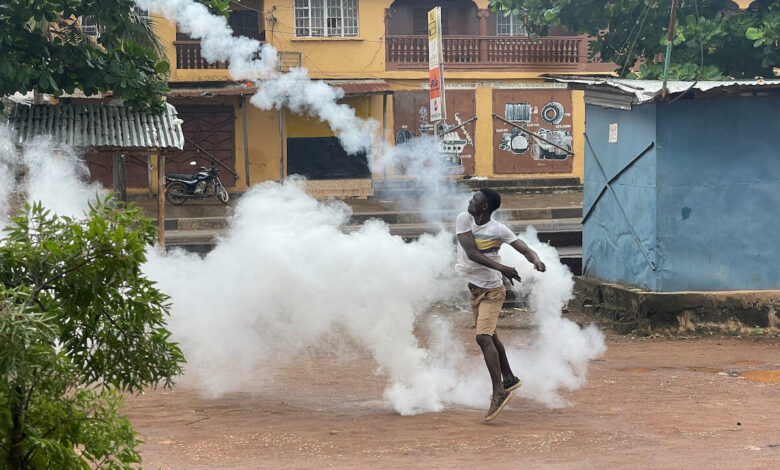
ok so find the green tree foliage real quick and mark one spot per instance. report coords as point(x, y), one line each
point(43, 48)
point(79, 323)
point(712, 39)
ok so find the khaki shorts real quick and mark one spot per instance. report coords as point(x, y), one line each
point(486, 305)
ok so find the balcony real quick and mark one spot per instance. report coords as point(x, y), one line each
point(496, 53)
point(188, 57)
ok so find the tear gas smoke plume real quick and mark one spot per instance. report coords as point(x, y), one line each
point(8, 161)
point(56, 178)
point(286, 280)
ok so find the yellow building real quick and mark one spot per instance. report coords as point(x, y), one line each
point(376, 51)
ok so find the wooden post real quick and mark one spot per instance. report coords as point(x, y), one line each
point(120, 176)
point(242, 103)
point(161, 199)
point(384, 136)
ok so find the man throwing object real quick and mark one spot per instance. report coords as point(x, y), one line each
point(479, 238)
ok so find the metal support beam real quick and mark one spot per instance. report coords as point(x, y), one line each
point(453, 129)
point(612, 180)
point(568, 152)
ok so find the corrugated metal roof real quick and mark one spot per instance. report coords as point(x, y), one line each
point(97, 125)
point(643, 91)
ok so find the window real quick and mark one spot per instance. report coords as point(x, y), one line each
point(326, 18)
point(511, 25)
point(245, 23)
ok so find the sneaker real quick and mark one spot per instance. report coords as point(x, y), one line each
point(511, 384)
point(497, 404)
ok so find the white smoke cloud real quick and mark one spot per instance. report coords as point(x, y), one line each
point(559, 356)
point(56, 177)
point(286, 281)
point(9, 159)
point(286, 278)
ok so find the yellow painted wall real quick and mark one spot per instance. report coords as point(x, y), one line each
point(362, 57)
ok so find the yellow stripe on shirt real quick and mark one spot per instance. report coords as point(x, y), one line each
point(487, 245)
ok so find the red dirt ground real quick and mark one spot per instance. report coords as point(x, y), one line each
point(649, 403)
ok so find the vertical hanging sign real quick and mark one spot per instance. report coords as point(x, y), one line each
point(436, 65)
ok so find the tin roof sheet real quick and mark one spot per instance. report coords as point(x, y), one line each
point(97, 125)
point(643, 91)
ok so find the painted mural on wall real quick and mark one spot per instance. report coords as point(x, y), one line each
point(412, 119)
point(545, 112)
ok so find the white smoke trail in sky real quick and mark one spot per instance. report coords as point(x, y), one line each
point(248, 59)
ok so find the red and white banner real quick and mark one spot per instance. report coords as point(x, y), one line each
point(436, 66)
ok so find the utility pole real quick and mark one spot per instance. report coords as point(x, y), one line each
point(669, 40)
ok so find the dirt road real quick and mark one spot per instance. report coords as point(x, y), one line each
point(649, 403)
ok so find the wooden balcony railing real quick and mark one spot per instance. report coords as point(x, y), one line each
point(188, 57)
point(491, 52)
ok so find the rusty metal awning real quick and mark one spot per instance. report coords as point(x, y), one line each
point(210, 90)
point(97, 125)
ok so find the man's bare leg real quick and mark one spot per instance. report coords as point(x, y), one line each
point(506, 371)
point(493, 363)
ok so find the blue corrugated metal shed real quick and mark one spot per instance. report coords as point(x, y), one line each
point(682, 194)
point(97, 125)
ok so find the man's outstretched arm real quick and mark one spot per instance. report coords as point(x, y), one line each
point(529, 254)
point(466, 240)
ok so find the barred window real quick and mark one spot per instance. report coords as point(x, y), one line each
point(326, 18)
point(511, 25)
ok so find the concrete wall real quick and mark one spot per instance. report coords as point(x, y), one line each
point(719, 194)
point(610, 251)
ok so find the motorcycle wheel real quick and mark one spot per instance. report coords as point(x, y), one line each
point(175, 193)
point(222, 194)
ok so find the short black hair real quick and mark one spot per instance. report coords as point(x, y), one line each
point(494, 199)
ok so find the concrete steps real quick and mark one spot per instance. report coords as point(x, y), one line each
point(411, 188)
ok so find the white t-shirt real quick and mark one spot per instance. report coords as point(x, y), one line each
point(489, 238)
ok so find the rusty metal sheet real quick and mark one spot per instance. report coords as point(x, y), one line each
point(546, 112)
point(213, 129)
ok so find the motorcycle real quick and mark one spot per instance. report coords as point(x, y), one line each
point(204, 183)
